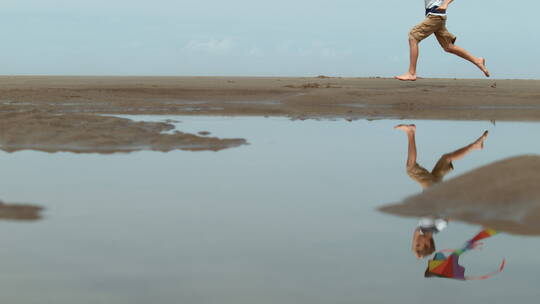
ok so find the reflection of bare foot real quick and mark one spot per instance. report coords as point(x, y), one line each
point(481, 64)
point(406, 77)
point(479, 143)
point(406, 128)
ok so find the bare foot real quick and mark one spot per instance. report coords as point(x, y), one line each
point(481, 64)
point(406, 77)
point(406, 128)
point(479, 143)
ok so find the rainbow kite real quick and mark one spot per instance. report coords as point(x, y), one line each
point(448, 267)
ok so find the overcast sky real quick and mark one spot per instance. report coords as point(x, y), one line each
point(259, 38)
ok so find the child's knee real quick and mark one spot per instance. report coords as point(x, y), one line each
point(447, 158)
point(448, 48)
point(412, 38)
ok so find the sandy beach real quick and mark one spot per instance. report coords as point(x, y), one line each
point(35, 109)
point(463, 99)
point(267, 152)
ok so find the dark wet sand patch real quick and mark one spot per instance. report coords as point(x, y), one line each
point(19, 212)
point(87, 133)
point(504, 195)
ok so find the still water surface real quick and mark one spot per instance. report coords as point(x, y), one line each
point(289, 218)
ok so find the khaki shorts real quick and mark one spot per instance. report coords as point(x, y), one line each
point(433, 25)
point(427, 179)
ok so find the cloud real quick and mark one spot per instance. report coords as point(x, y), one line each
point(256, 52)
point(321, 49)
point(328, 52)
point(284, 47)
point(213, 46)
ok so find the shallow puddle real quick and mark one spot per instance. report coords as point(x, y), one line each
point(290, 218)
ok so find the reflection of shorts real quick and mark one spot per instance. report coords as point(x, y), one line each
point(433, 25)
point(428, 179)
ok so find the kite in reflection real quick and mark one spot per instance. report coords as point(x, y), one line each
point(448, 267)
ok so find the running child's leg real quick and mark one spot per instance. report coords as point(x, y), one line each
point(449, 46)
point(413, 60)
point(418, 33)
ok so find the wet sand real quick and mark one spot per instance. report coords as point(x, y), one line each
point(19, 212)
point(463, 99)
point(87, 133)
point(60, 113)
point(503, 195)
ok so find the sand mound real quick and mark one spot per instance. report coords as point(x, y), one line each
point(504, 195)
point(19, 212)
point(82, 133)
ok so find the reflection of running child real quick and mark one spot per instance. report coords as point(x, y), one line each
point(444, 165)
point(423, 244)
point(435, 23)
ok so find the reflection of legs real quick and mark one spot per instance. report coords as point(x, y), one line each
point(460, 153)
point(411, 153)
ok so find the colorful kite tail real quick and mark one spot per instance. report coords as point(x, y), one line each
point(484, 234)
point(487, 276)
